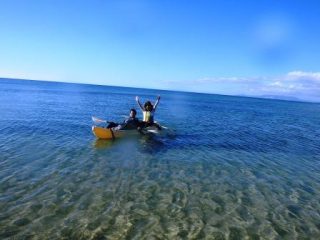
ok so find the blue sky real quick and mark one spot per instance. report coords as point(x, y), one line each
point(227, 47)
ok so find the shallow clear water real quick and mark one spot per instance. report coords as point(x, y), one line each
point(228, 168)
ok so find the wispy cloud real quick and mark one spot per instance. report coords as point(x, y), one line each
point(298, 84)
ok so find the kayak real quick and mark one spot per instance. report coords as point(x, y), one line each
point(108, 133)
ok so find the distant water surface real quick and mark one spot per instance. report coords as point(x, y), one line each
point(227, 168)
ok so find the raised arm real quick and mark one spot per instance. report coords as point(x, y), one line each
point(157, 102)
point(139, 103)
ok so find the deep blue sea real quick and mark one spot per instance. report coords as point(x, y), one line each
point(226, 167)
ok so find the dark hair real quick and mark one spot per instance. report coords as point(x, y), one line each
point(148, 103)
point(133, 110)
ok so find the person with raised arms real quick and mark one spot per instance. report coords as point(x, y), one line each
point(148, 110)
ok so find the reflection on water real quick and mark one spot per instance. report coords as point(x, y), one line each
point(101, 144)
point(251, 172)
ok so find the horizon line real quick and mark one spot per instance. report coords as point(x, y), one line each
point(169, 90)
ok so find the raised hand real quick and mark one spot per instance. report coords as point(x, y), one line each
point(137, 99)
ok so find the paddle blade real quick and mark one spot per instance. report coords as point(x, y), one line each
point(95, 119)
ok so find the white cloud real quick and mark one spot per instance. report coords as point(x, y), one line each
point(298, 84)
point(296, 75)
point(276, 84)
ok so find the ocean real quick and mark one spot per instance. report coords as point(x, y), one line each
point(226, 167)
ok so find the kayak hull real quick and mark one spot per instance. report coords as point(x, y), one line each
point(106, 133)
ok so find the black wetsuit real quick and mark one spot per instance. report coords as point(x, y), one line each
point(128, 124)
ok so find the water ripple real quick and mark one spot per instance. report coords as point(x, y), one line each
point(228, 168)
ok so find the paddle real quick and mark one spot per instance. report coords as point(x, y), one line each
point(161, 125)
point(95, 119)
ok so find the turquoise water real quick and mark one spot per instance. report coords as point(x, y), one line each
point(227, 168)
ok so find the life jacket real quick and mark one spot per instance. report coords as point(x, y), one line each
point(148, 116)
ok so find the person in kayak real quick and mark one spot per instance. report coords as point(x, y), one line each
point(130, 123)
point(148, 111)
